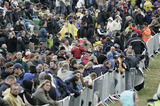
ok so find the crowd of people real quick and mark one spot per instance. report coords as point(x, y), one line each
point(74, 42)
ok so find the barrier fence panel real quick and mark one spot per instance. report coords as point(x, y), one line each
point(156, 43)
point(106, 87)
point(120, 87)
point(150, 46)
point(98, 83)
point(66, 101)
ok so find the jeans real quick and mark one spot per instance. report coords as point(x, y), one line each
point(130, 77)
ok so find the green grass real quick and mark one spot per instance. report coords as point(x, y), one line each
point(152, 80)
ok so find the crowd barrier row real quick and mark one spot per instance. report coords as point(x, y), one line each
point(106, 85)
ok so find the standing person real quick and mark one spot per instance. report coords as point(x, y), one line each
point(8, 17)
point(42, 33)
point(87, 18)
point(148, 5)
point(42, 94)
point(117, 24)
point(13, 99)
point(139, 20)
point(100, 4)
point(25, 40)
point(12, 43)
point(15, 16)
point(146, 32)
point(77, 50)
point(130, 74)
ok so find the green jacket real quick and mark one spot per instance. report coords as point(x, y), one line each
point(24, 65)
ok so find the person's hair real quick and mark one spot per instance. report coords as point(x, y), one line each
point(10, 54)
point(47, 77)
point(74, 78)
point(73, 61)
point(93, 74)
point(115, 57)
point(63, 40)
point(2, 59)
point(14, 58)
point(36, 47)
point(14, 85)
point(10, 77)
point(41, 23)
point(31, 56)
point(63, 64)
point(9, 64)
point(43, 83)
point(53, 61)
point(107, 62)
point(89, 65)
point(145, 23)
point(75, 72)
point(80, 66)
point(48, 59)
point(129, 52)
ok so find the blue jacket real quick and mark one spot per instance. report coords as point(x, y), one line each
point(42, 34)
point(20, 78)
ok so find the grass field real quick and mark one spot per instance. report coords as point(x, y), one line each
point(152, 81)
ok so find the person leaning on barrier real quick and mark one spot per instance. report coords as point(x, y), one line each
point(130, 73)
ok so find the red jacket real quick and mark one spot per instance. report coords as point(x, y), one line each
point(77, 51)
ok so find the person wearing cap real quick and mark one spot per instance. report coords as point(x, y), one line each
point(18, 72)
point(129, 98)
point(8, 71)
point(146, 32)
point(20, 61)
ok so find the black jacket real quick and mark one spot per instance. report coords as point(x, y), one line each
point(15, 17)
point(56, 44)
point(83, 32)
point(90, 33)
point(72, 87)
point(51, 27)
point(116, 40)
point(139, 19)
point(12, 45)
point(34, 40)
point(87, 19)
point(28, 95)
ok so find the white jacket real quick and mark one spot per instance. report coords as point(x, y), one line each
point(116, 25)
point(109, 27)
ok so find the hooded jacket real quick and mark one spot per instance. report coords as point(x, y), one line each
point(42, 34)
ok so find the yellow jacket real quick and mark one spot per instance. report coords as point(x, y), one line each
point(148, 6)
point(154, 103)
point(133, 2)
point(13, 101)
point(71, 29)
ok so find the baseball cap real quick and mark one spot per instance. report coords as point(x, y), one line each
point(17, 65)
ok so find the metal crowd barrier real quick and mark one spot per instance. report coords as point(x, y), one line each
point(104, 86)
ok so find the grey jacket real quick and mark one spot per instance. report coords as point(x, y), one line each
point(44, 98)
